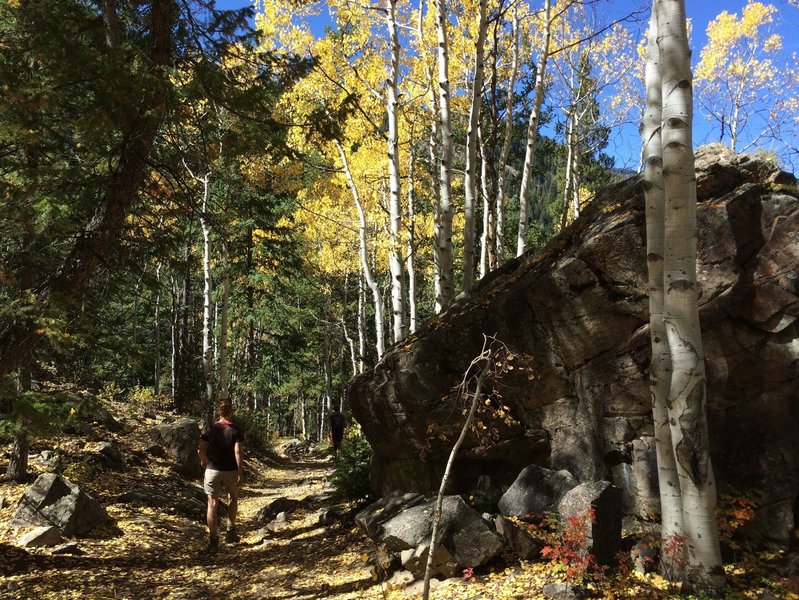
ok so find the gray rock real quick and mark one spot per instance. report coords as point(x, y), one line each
point(536, 491)
point(53, 500)
point(280, 505)
point(181, 440)
point(41, 536)
point(371, 519)
point(68, 548)
point(523, 543)
point(107, 452)
point(465, 538)
point(401, 579)
point(562, 591)
point(156, 450)
point(602, 535)
point(278, 524)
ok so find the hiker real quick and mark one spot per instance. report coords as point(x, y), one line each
point(336, 424)
point(221, 457)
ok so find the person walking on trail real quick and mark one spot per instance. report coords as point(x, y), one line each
point(221, 450)
point(336, 424)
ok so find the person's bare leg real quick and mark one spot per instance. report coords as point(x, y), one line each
point(210, 516)
point(232, 510)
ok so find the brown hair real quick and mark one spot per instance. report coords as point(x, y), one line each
point(225, 409)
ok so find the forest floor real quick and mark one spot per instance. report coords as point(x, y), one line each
point(156, 554)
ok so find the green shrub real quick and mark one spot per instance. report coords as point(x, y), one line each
point(258, 436)
point(351, 474)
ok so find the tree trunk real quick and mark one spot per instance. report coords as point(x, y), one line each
point(505, 151)
point(65, 286)
point(687, 394)
point(395, 202)
point(157, 341)
point(409, 264)
point(443, 232)
point(660, 365)
point(18, 462)
point(532, 133)
point(208, 308)
point(367, 271)
point(224, 381)
point(470, 182)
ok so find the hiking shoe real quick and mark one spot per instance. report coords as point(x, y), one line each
point(213, 544)
point(231, 537)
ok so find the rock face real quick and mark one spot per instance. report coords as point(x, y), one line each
point(576, 316)
point(181, 440)
point(53, 500)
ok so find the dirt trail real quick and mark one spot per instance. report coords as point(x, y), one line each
point(155, 555)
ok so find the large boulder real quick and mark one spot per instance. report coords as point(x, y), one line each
point(575, 316)
point(181, 440)
point(466, 540)
point(53, 500)
point(536, 491)
point(594, 509)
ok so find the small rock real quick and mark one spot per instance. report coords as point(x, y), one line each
point(563, 591)
point(12, 586)
point(68, 548)
point(148, 414)
point(401, 579)
point(41, 536)
point(3, 503)
point(155, 450)
point(47, 457)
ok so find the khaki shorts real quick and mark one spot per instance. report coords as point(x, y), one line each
point(215, 481)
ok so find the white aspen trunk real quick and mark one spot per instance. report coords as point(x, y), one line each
point(208, 308)
point(411, 241)
point(224, 383)
point(486, 239)
point(503, 155)
point(157, 332)
point(568, 178)
point(660, 365)
point(470, 182)
point(443, 233)
point(532, 132)
point(687, 395)
point(361, 324)
point(395, 203)
point(174, 339)
point(367, 271)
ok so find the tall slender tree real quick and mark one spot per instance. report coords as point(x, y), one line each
point(685, 404)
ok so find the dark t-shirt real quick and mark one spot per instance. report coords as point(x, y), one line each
point(222, 437)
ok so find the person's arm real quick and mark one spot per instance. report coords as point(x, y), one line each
point(202, 452)
point(239, 452)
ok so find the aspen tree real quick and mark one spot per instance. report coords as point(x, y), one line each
point(686, 392)
point(505, 151)
point(367, 271)
point(532, 130)
point(395, 204)
point(470, 184)
point(443, 232)
point(660, 365)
